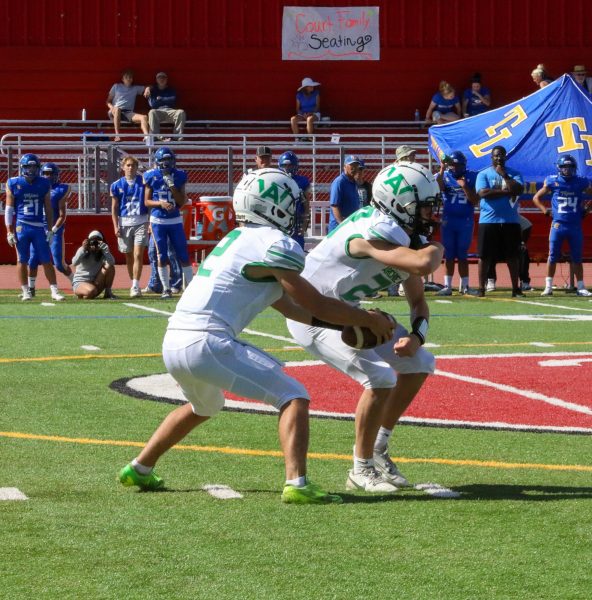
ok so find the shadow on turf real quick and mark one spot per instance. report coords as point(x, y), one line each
point(529, 493)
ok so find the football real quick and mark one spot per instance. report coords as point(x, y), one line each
point(361, 338)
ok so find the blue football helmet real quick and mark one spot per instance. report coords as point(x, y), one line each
point(457, 163)
point(567, 166)
point(165, 159)
point(288, 162)
point(51, 171)
point(30, 165)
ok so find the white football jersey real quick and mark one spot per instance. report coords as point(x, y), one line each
point(331, 269)
point(220, 297)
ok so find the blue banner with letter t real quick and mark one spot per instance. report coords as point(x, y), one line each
point(535, 131)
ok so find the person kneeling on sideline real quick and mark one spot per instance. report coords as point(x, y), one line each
point(95, 268)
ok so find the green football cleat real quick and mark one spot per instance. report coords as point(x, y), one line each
point(309, 494)
point(128, 476)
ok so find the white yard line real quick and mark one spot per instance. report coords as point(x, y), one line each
point(514, 390)
point(578, 308)
point(11, 493)
point(281, 338)
point(436, 490)
point(221, 492)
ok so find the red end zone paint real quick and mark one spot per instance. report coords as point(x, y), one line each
point(484, 401)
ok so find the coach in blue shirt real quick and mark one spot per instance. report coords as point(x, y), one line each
point(499, 239)
point(344, 199)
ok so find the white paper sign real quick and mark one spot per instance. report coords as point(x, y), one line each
point(330, 33)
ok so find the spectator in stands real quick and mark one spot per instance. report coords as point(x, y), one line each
point(289, 163)
point(477, 99)
point(540, 76)
point(28, 199)
point(405, 154)
point(344, 199)
point(364, 187)
point(165, 195)
point(308, 106)
point(121, 102)
point(130, 220)
point(580, 75)
point(162, 100)
point(499, 223)
point(444, 106)
point(95, 268)
point(459, 198)
point(59, 193)
point(567, 210)
point(263, 157)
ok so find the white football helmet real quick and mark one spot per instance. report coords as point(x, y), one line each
point(400, 191)
point(268, 197)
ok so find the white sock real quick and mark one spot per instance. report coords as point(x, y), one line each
point(54, 288)
point(382, 439)
point(135, 283)
point(163, 273)
point(491, 282)
point(581, 285)
point(187, 275)
point(32, 281)
point(298, 482)
point(464, 282)
point(448, 281)
point(362, 463)
point(25, 288)
point(141, 469)
point(548, 283)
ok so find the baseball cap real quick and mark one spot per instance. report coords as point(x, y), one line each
point(403, 151)
point(263, 151)
point(351, 159)
point(161, 74)
point(579, 69)
point(95, 234)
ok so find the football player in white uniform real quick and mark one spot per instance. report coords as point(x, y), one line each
point(370, 251)
point(253, 267)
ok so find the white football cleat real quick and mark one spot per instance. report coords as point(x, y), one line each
point(490, 287)
point(369, 480)
point(135, 293)
point(388, 469)
point(583, 292)
point(26, 296)
point(57, 297)
point(547, 292)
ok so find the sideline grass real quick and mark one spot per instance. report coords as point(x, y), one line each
point(514, 532)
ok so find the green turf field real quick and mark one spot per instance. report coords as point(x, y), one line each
point(521, 526)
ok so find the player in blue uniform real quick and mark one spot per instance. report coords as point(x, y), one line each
point(567, 210)
point(28, 197)
point(165, 195)
point(289, 163)
point(130, 220)
point(459, 198)
point(59, 193)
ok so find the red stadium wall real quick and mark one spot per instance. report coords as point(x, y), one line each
point(224, 57)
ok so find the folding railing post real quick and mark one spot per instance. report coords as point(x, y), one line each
point(9, 162)
point(97, 179)
point(230, 171)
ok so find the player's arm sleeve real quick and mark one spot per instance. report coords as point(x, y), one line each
point(285, 254)
point(387, 232)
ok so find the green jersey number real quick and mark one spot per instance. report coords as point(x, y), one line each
point(203, 271)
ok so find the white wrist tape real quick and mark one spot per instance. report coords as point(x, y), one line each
point(8, 215)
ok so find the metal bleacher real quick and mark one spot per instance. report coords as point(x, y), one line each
point(215, 153)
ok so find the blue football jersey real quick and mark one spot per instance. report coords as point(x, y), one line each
point(130, 196)
point(29, 198)
point(454, 201)
point(160, 191)
point(567, 201)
